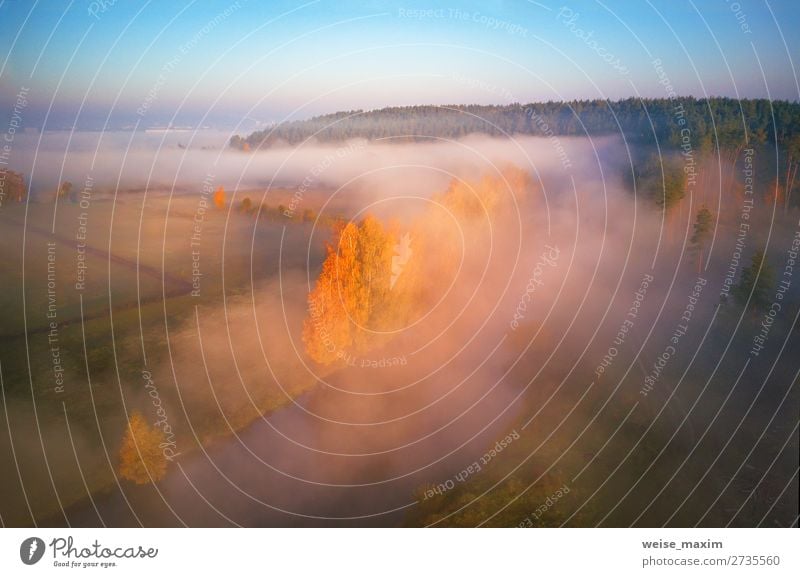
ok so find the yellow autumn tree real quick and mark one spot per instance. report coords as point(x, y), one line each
point(376, 278)
point(219, 197)
point(486, 197)
point(374, 252)
point(140, 456)
point(347, 306)
point(326, 330)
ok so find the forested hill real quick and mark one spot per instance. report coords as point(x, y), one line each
point(722, 121)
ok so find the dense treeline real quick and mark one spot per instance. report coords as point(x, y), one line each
point(723, 122)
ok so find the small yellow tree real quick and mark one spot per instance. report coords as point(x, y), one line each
point(219, 197)
point(140, 456)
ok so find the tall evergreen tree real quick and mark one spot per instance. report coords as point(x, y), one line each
point(702, 228)
point(755, 282)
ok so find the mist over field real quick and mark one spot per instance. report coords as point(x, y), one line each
point(182, 160)
point(512, 265)
point(560, 298)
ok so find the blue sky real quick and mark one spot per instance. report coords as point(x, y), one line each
point(221, 62)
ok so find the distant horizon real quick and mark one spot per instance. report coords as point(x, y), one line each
point(230, 126)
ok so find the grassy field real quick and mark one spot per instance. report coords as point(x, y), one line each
point(68, 386)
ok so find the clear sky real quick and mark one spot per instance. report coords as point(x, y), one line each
point(221, 62)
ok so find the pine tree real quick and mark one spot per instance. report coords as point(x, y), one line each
point(755, 282)
point(702, 228)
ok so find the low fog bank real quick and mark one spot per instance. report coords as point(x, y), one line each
point(532, 301)
point(182, 161)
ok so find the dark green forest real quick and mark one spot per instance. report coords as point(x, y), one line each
point(702, 123)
